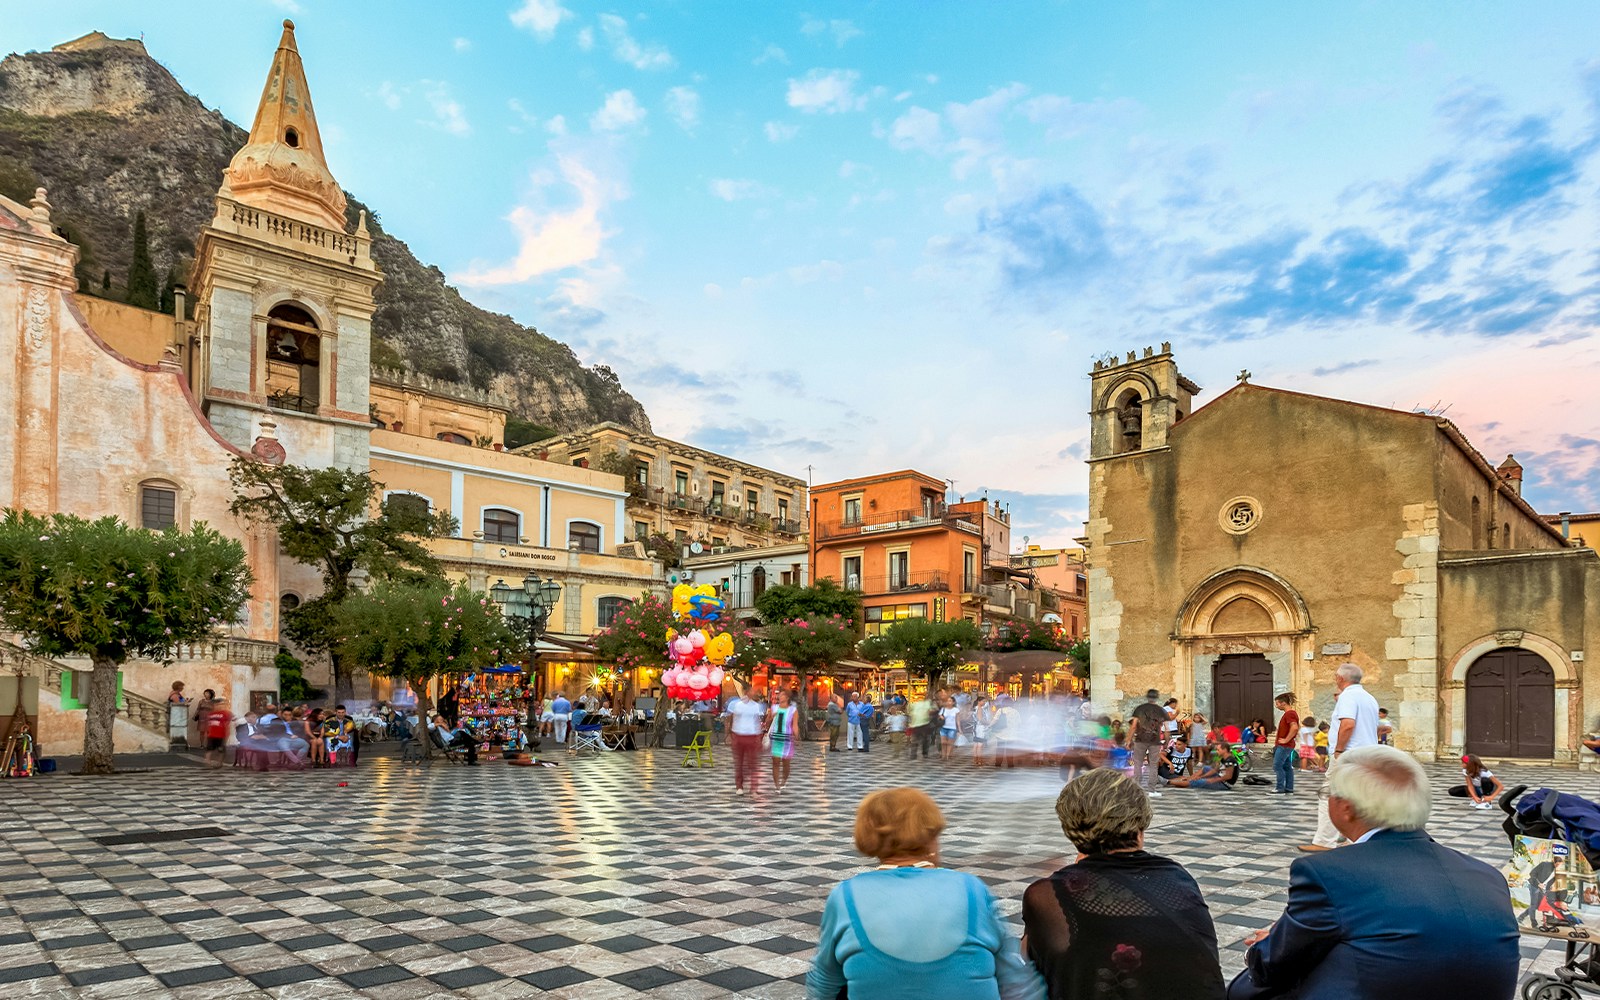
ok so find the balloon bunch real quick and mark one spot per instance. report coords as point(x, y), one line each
point(694, 650)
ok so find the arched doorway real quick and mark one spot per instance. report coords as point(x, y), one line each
point(1511, 705)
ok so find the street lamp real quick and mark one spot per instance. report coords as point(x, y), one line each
point(528, 609)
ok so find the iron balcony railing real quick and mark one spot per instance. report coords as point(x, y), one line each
point(905, 583)
point(898, 520)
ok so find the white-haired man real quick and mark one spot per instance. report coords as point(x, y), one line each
point(1392, 914)
point(1353, 725)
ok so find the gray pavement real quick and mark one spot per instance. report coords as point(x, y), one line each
point(619, 875)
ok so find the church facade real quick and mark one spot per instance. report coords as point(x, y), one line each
point(1255, 544)
point(123, 411)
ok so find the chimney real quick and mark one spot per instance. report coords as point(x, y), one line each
point(1511, 472)
point(180, 296)
point(1566, 524)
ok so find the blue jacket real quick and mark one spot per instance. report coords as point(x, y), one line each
point(1396, 917)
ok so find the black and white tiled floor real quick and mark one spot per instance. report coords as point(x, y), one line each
point(613, 876)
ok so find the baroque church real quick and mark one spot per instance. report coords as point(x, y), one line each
point(274, 367)
point(1253, 545)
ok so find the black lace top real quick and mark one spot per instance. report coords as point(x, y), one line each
point(1123, 927)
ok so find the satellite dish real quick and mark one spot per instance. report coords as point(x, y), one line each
point(695, 548)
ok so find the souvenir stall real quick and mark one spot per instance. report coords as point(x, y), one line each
point(494, 705)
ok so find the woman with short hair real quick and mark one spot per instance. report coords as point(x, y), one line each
point(909, 929)
point(1120, 922)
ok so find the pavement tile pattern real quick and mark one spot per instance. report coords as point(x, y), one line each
point(611, 876)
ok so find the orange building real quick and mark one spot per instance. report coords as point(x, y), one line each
point(912, 555)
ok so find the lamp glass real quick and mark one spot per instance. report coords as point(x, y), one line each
point(500, 593)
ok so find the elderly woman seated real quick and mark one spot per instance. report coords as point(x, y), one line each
point(909, 928)
point(1119, 922)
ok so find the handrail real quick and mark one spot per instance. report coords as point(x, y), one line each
point(146, 713)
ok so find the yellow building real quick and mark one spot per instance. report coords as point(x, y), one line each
point(685, 494)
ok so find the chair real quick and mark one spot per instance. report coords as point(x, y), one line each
point(587, 738)
point(697, 752)
point(412, 750)
point(455, 755)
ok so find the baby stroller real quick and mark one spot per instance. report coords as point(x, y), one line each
point(1558, 861)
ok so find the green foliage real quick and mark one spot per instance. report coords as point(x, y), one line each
point(331, 519)
point(1078, 653)
point(17, 179)
point(823, 599)
point(1019, 634)
point(925, 647)
point(616, 464)
point(142, 290)
point(811, 644)
point(108, 591)
point(667, 550)
point(384, 355)
point(292, 685)
point(169, 298)
point(637, 636)
point(520, 432)
point(418, 629)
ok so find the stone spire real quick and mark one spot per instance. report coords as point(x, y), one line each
point(280, 168)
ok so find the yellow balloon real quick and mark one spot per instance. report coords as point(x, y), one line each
point(719, 648)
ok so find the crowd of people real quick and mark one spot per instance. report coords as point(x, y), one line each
point(1125, 923)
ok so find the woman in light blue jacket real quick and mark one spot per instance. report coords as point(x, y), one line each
point(910, 929)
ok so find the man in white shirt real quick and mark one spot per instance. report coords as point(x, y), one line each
point(1354, 724)
point(747, 718)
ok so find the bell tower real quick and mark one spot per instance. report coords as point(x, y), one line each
point(284, 293)
point(1136, 402)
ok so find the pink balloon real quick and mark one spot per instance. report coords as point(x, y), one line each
point(716, 677)
point(698, 638)
point(682, 646)
point(698, 682)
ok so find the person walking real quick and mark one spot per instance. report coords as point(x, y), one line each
point(919, 717)
point(835, 718)
point(868, 713)
point(560, 715)
point(1283, 745)
point(216, 732)
point(982, 719)
point(747, 716)
point(948, 728)
point(782, 730)
point(1144, 732)
point(1353, 725)
point(852, 718)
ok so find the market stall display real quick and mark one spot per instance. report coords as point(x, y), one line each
point(494, 705)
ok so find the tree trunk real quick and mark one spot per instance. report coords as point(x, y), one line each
point(100, 720)
point(344, 690)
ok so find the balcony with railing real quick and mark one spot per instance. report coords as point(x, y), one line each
point(877, 523)
point(717, 507)
point(921, 581)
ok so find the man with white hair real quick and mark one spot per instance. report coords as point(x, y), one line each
point(1353, 725)
point(1392, 914)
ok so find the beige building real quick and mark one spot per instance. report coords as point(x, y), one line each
point(684, 494)
point(1062, 578)
point(1255, 544)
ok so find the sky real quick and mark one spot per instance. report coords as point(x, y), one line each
point(842, 238)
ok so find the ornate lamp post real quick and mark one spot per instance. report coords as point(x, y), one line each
point(528, 609)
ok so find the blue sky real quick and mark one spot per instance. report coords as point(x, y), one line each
point(876, 235)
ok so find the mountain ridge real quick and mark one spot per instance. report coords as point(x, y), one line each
point(110, 132)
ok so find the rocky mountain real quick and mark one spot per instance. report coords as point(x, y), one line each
point(110, 132)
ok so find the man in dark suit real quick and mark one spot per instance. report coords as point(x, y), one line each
point(1390, 915)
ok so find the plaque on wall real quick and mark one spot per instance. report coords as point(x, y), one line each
point(1336, 649)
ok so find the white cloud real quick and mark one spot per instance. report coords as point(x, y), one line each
point(448, 115)
point(541, 17)
point(622, 110)
point(918, 128)
point(772, 54)
point(780, 131)
point(730, 189)
point(822, 270)
point(551, 241)
point(849, 168)
point(586, 38)
point(627, 49)
point(557, 125)
point(826, 92)
point(683, 107)
point(389, 94)
point(522, 113)
point(842, 31)
point(287, 5)
point(463, 44)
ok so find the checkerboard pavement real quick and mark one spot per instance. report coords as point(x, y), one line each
point(618, 875)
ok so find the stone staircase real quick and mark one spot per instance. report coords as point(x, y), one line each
point(146, 713)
